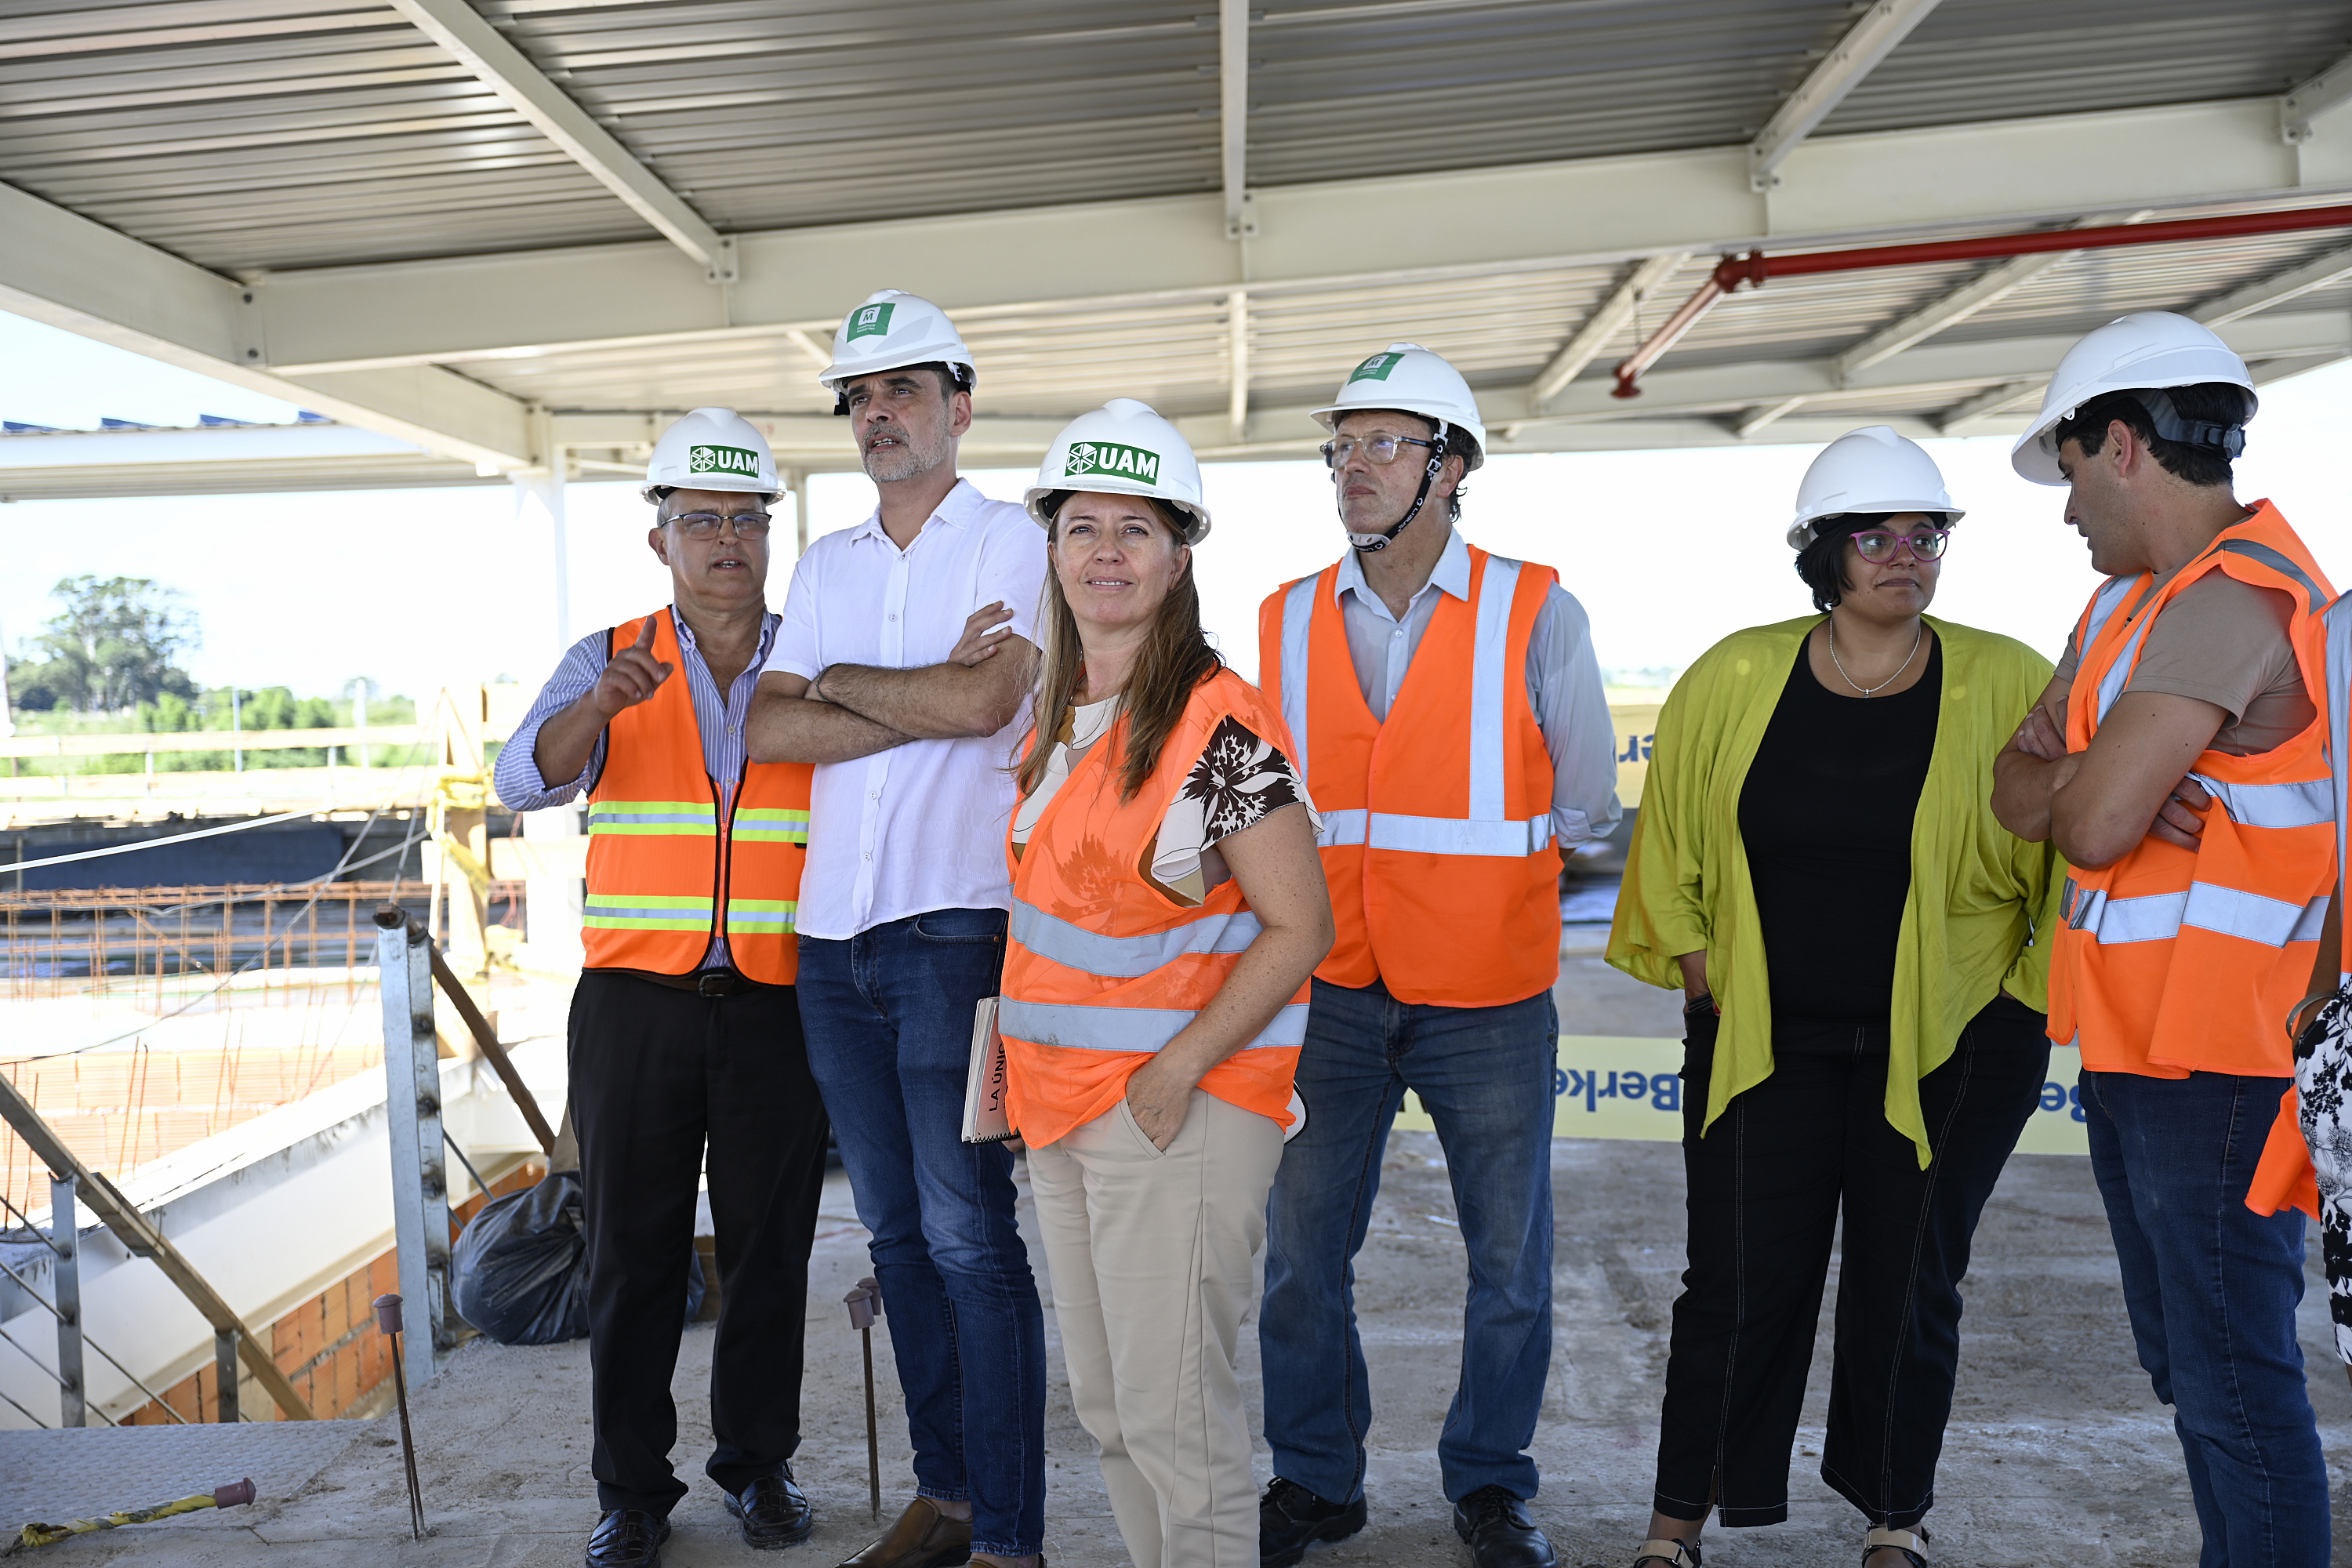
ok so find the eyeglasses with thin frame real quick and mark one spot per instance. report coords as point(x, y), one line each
point(706, 524)
point(1380, 449)
point(1878, 547)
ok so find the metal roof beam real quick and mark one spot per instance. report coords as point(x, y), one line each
point(1854, 56)
point(2276, 289)
point(2299, 105)
point(506, 72)
point(1606, 321)
point(63, 269)
point(1237, 363)
point(1599, 213)
point(1233, 116)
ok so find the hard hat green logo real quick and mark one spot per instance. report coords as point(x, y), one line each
point(869, 322)
point(722, 461)
point(1376, 368)
point(1110, 457)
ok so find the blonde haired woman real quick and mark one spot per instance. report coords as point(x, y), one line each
point(1818, 868)
point(1168, 908)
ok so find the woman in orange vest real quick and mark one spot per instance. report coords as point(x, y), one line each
point(1817, 867)
point(1168, 909)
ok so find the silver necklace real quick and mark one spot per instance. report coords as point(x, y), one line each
point(1874, 690)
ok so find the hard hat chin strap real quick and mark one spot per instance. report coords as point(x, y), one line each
point(1372, 544)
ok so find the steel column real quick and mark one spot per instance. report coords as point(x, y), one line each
point(420, 1192)
point(65, 1277)
point(225, 1405)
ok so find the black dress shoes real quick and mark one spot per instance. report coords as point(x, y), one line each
point(1290, 1518)
point(773, 1512)
point(1499, 1531)
point(628, 1538)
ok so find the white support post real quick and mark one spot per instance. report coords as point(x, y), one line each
point(539, 511)
point(796, 481)
point(65, 1278)
point(420, 1191)
point(554, 907)
point(1237, 369)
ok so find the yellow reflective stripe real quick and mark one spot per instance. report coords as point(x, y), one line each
point(645, 912)
point(752, 913)
point(658, 819)
point(771, 824)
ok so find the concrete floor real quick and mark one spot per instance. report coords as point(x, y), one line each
point(2056, 1451)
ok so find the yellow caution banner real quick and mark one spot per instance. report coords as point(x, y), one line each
point(1608, 1086)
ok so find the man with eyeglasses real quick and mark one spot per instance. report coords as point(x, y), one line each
point(1455, 737)
point(685, 1051)
point(886, 676)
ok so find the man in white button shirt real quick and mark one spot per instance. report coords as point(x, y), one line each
point(902, 912)
point(1447, 709)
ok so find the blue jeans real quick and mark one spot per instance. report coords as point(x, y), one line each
point(1486, 1076)
point(2211, 1288)
point(887, 1014)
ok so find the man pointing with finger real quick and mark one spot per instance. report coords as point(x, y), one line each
point(686, 1050)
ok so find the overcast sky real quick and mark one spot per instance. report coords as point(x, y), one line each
point(1667, 550)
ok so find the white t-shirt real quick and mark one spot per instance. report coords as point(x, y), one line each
point(921, 827)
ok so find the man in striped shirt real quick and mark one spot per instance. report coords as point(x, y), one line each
point(686, 1051)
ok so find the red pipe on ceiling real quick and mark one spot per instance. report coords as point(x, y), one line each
point(1752, 269)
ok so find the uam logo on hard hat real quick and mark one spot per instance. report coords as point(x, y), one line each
point(1110, 457)
point(1376, 368)
point(722, 461)
point(870, 322)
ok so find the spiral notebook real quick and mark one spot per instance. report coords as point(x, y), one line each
point(984, 1085)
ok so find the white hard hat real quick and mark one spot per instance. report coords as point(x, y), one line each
point(1409, 377)
point(2146, 352)
point(1872, 469)
point(892, 330)
point(1123, 448)
point(712, 449)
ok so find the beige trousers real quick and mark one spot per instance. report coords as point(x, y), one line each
point(1153, 1261)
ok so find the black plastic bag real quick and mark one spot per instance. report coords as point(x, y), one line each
point(519, 1271)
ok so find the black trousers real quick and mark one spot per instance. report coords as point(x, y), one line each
point(658, 1076)
point(1766, 1184)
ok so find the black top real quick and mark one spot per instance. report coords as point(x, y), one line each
point(1826, 813)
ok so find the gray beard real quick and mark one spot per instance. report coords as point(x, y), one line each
point(902, 462)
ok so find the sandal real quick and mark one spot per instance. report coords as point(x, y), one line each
point(1911, 1544)
point(1673, 1553)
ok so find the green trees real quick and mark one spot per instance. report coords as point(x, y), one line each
point(115, 645)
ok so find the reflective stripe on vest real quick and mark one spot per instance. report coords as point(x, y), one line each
point(2307, 803)
point(771, 825)
point(763, 914)
point(1142, 1029)
point(682, 818)
point(1298, 624)
point(1127, 957)
point(2337, 635)
point(1486, 830)
point(2208, 906)
point(1435, 834)
point(647, 912)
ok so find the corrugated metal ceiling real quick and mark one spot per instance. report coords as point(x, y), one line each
point(270, 133)
point(257, 134)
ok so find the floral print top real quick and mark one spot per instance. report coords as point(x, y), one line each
point(1238, 779)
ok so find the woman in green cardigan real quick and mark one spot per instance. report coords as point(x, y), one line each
point(1816, 865)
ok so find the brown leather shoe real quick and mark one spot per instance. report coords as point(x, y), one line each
point(923, 1538)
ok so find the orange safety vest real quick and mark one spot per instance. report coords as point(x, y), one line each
point(2285, 1178)
point(2177, 961)
point(661, 864)
point(1437, 837)
point(1101, 967)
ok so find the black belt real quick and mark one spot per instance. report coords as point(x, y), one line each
point(704, 982)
